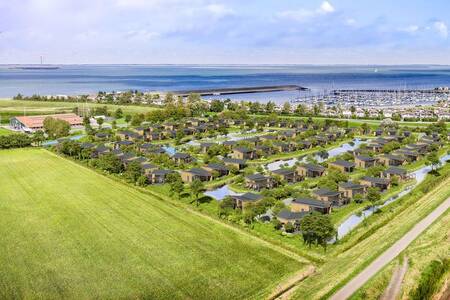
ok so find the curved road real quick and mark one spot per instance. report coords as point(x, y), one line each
point(352, 286)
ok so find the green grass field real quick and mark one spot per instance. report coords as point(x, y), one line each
point(68, 232)
point(10, 108)
point(4, 131)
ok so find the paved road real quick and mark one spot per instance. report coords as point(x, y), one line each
point(357, 282)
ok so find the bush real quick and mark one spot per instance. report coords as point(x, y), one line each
point(17, 140)
point(429, 279)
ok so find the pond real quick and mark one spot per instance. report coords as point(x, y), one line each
point(356, 219)
point(220, 193)
point(54, 142)
point(331, 153)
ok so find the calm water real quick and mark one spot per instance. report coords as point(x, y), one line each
point(87, 79)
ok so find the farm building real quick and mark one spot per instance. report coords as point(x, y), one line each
point(33, 123)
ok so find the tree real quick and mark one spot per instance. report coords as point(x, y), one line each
point(118, 114)
point(100, 122)
point(142, 180)
point(286, 108)
point(433, 160)
point(317, 229)
point(110, 163)
point(38, 137)
point(133, 171)
point(175, 183)
point(128, 119)
point(56, 128)
point(216, 106)
point(137, 119)
point(373, 195)
point(196, 188)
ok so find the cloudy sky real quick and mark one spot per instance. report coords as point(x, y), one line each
point(225, 32)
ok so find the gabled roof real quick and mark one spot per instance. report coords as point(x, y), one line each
point(284, 171)
point(242, 149)
point(217, 166)
point(393, 157)
point(181, 155)
point(162, 172)
point(312, 202)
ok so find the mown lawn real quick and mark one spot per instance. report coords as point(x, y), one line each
point(68, 232)
point(10, 108)
point(4, 131)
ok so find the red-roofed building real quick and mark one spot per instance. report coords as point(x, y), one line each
point(32, 123)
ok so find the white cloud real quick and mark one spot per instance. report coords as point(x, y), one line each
point(326, 7)
point(412, 29)
point(350, 22)
point(305, 14)
point(441, 28)
point(219, 10)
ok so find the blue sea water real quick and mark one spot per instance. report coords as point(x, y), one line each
point(88, 79)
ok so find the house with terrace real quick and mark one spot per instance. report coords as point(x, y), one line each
point(189, 176)
point(120, 144)
point(310, 170)
point(244, 200)
point(287, 175)
point(229, 144)
point(234, 162)
point(310, 205)
point(159, 176)
point(381, 183)
point(258, 182)
point(400, 173)
point(364, 161)
point(220, 169)
point(350, 189)
point(333, 197)
point(148, 168)
point(391, 160)
point(126, 135)
point(342, 165)
point(184, 158)
point(244, 153)
point(410, 155)
point(286, 216)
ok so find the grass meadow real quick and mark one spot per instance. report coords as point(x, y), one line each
point(11, 108)
point(68, 232)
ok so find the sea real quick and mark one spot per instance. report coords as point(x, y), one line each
point(89, 79)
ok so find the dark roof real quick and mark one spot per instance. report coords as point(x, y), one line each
point(102, 148)
point(125, 143)
point(181, 155)
point(283, 171)
point(140, 159)
point(312, 202)
point(290, 215)
point(146, 146)
point(326, 192)
point(242, 149)
point(199, 172)
point(228, 143)
point(162, 172)
point(394, 157)
point(206, 145)
point(248, 197)
point(344, 163)
point(234, 161)
point(376, 180)
point(256, 177)
point(365, 158)
point(351, 186)
point(146, 166)
point(87, 145)
point(314, 167)
point(217, 166)
point(396, 171)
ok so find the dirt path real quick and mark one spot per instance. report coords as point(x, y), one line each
point(285, 289)
point(357, 282)
point(395, 284)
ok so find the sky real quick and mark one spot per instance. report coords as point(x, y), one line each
point(225, 32)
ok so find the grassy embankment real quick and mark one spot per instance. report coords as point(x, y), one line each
point(10, 108)
point(376, 234)
point(433, 244)
point(67, 232)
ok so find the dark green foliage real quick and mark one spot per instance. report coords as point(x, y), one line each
point(132, 172)
point(15, 140)
point(429, 279)
point(317, 229)
point(110, 163)
point(55, 128)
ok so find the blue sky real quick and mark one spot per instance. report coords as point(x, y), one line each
point(225, 32)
